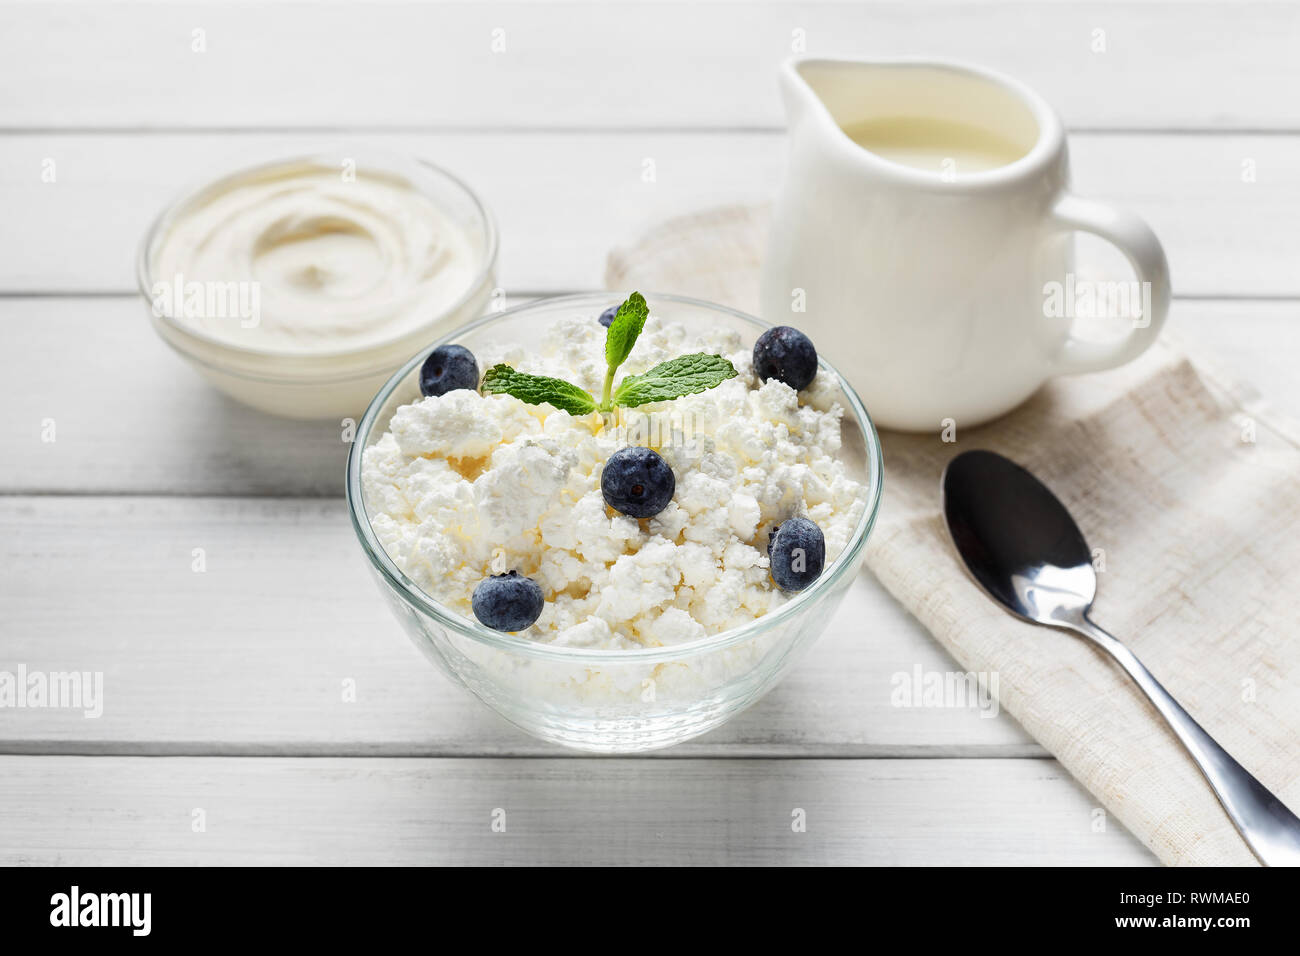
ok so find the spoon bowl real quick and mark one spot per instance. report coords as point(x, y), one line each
point(1017, 540)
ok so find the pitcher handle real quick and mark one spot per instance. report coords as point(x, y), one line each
point(1133, 237)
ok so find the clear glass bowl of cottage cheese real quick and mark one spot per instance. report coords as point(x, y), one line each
point(654, 630)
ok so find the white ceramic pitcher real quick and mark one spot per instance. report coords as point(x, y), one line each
point(941, 294)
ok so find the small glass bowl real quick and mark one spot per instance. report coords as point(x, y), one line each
point(614, 701)
point(315, 384)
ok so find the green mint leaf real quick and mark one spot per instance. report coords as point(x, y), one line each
point(684, 375)
point(623, 331)
point(537, 389)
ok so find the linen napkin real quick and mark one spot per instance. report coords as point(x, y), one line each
point(1187, 484)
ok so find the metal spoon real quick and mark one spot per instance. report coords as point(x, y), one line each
point(1023, 548)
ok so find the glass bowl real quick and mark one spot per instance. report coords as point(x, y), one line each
point(319, 384)
point(610, 700)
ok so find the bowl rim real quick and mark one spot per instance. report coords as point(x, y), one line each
point(388, 161)
point(420, 601)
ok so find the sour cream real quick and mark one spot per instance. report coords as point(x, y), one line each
point(305, 257)
point(298, 287)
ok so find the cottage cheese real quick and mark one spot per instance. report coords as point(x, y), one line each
point(466, 485)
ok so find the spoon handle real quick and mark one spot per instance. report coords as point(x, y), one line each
point(1270, 829)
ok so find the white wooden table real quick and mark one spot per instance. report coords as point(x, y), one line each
point(223, 688)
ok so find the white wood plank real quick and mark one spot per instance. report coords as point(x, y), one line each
point(124, 811)
point(250, 655)
point(1252, 342)
point(563, 199)
point(130, 417)
point(127, 413)
point(1165, 65)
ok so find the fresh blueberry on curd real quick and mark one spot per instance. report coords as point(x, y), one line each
point(637, 482)
point(448, 368)
point(787, 355)
point(508, 602)
point(797, 550)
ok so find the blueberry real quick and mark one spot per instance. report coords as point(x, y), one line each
point(797, 550)
point(637, 482)
point(448, 368)
point(508, 602)
point(786, 355)
point(607, 317)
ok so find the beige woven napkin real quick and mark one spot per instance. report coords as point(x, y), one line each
point(1190, 487)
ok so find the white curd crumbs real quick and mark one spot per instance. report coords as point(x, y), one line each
point(465, 485)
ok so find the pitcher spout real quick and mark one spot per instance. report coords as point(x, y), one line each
point(801, 100)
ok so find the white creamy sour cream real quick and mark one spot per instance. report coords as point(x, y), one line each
point(307, 258)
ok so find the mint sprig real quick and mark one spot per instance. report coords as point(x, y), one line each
point(684, 375)
point(625, 330)
point(537, 389)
